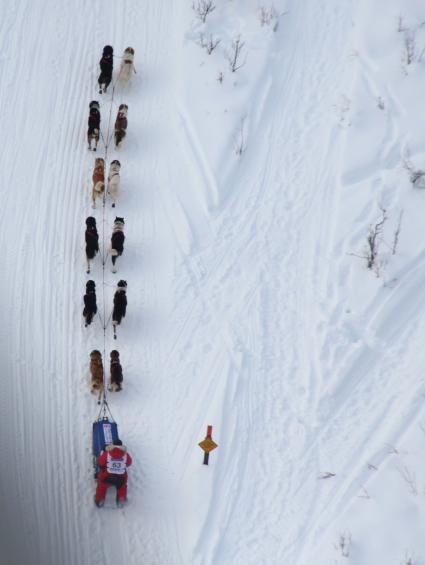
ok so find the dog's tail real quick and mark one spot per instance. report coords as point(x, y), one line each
point(99, 187)
point(119, 136)
point(113, 187)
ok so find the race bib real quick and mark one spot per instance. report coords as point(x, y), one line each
point(116, 466)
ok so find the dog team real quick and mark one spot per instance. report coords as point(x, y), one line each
point(106, 69)
point(93, 132)
point(112, 186)
point(97, 375)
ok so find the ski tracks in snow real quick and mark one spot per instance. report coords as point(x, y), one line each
point(266, 386)
point(41, 205)
point(364, 356)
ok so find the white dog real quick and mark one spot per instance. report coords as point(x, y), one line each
point(127, 66)
point(114, 180)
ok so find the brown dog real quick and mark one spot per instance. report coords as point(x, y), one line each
point(120, 129)
point(98, 179)
point(116, 372)
point(96, 371)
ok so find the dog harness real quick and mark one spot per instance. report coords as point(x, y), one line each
point(116, 466)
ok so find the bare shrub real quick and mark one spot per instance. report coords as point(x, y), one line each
point(240, 138)
point(411, 52)
point(397, 233)
point(416, 176)
point(391, 450)
point(409, 41)
point(235, 53)
point(400, 26)
point(202, 8)
point(326, 475)
point(342, 108)
point(267, 15)
point(410, 478)
point(373, 241)
point(209, 44)
point(344, 543)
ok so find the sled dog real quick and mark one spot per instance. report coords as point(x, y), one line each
point(98, 179)
point(96, 371)
point(127, 66)
point(116, 372)
point(120, 129)
point(114, 181)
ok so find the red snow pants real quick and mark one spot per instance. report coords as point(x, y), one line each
point(102, 487)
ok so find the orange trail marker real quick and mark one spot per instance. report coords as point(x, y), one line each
point(207, 445)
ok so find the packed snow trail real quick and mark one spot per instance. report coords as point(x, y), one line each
point(50, 73)
point(42, 204)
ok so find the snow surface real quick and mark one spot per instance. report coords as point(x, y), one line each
point(250, 305)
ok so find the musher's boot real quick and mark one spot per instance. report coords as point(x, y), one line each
point(99, 503)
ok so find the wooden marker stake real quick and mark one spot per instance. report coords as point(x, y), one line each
point(207, 445)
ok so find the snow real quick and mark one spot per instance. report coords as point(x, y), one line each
point(250, 306)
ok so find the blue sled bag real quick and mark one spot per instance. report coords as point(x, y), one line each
point(105, 432)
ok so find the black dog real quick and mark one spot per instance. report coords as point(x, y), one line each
point(117, 241)
point(93, 124)
point(92, 240)
point(90, 306)
point(106, 67)
point(120, 305)
point(116, 372)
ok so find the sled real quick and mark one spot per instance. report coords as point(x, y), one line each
point(105, 432)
